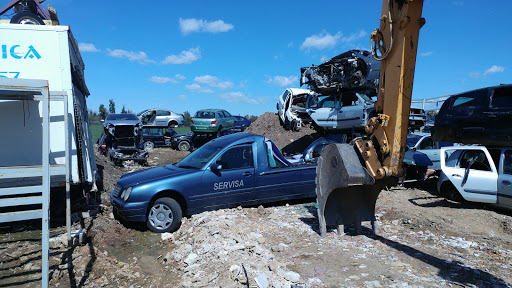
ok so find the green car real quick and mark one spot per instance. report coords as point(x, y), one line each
point(212, 121)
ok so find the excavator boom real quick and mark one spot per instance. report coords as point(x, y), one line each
point(351, 176)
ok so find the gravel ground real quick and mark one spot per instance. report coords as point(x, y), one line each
point(425, 241)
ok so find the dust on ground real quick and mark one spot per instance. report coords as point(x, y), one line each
point(425, 241)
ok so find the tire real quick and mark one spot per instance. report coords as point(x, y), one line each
point(149, 145)
point(449, 192)
point(27, 18)
point(243, 128)
point(164, 215)
point(219, 132)
point(184, 146)
point(173, 124)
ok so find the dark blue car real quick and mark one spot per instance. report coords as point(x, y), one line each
point(233, 170)
point(241, 123)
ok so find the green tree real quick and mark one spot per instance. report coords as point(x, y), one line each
point(123, 111)
point(111, 106)
point(103, 112)
point(187, 117)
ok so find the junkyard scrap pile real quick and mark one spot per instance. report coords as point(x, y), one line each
point(426, 241)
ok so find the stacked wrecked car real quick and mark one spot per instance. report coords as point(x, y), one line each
point(122, 139)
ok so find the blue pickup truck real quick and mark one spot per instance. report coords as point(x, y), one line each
point(237, 169)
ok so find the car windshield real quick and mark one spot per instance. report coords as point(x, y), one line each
point(122, 117)
point(365, 97)
point(200, 157)
point(142, 112)
point(412, 139)
point(205, 115)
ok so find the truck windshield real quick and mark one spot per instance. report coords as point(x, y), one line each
point(200, 157)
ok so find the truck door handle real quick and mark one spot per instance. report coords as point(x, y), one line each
point(506, 182)
point(247, 174)
point(456, 175)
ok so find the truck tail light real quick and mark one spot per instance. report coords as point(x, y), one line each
point(215, 122)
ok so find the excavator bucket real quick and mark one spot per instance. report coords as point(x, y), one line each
point(346, 192)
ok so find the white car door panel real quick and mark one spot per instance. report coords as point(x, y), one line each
point(505, 179)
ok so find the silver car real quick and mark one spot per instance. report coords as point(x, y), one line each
point(291, 108)
point(345, 111)
point(422, 142)
point(161, 118)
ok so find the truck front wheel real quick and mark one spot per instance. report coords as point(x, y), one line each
point(27, 18)
point(164, 216)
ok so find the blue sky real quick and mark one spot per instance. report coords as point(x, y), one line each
point(241, 55)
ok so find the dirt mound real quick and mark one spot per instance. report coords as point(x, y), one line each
point(290, 142)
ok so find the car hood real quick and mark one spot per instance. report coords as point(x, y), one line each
point(122, 122)
point(152, 174)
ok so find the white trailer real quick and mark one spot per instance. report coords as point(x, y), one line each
point(47, 53)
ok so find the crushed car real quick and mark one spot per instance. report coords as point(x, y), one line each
point(234, 170)
point(123, 138)
point(348, 110)
point(354, 69)
point(291, 108)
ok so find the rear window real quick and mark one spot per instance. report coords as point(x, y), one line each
point(507, 162)
point(469, 100)
point(205, 115)
point(163, 113)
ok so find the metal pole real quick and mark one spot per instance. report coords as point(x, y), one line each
point(45, 239)
point(67, 149)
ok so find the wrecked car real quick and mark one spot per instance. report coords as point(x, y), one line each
point(477, 173)
point(354, 69)
point(166, 137)
point(343, 111)
point(123, 138)
point(417, 119)
point(230, 171)
point(291, 108)
point(479, 116)
point(422, 142)
point(161, 117)
point(241, 123)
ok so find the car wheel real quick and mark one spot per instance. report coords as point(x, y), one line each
point(173, 124)
point(149, 145)
point(184, 146)
point(164, 215)
point(450, 192)
point(27, 18)
point(243, 128)
point(219, 132)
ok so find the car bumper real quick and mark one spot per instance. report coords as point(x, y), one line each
point(205, 129)
point(129, 211)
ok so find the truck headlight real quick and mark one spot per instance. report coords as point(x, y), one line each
point(126, 193)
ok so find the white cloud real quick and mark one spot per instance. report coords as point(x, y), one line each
point(494, 69)
point(474, 74)
point(324, 58)
point(140, 57)
point(180, 77)
point(424, 54)
point(213, 81)
point(87, 47)
point(162, 80)
point(240, 97)
point(197, 25)
point(321, 41)
point(354, 37)
point(181, 97)
point(283, 81)
point(185, 57)
point(458, 3)
point(198, 89)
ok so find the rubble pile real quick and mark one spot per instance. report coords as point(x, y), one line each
point(290, 142)
point(228, 247)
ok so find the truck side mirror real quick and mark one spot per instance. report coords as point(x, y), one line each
point(102, 121)
point(216, 167)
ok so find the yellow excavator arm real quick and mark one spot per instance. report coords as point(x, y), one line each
point(351, 176)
